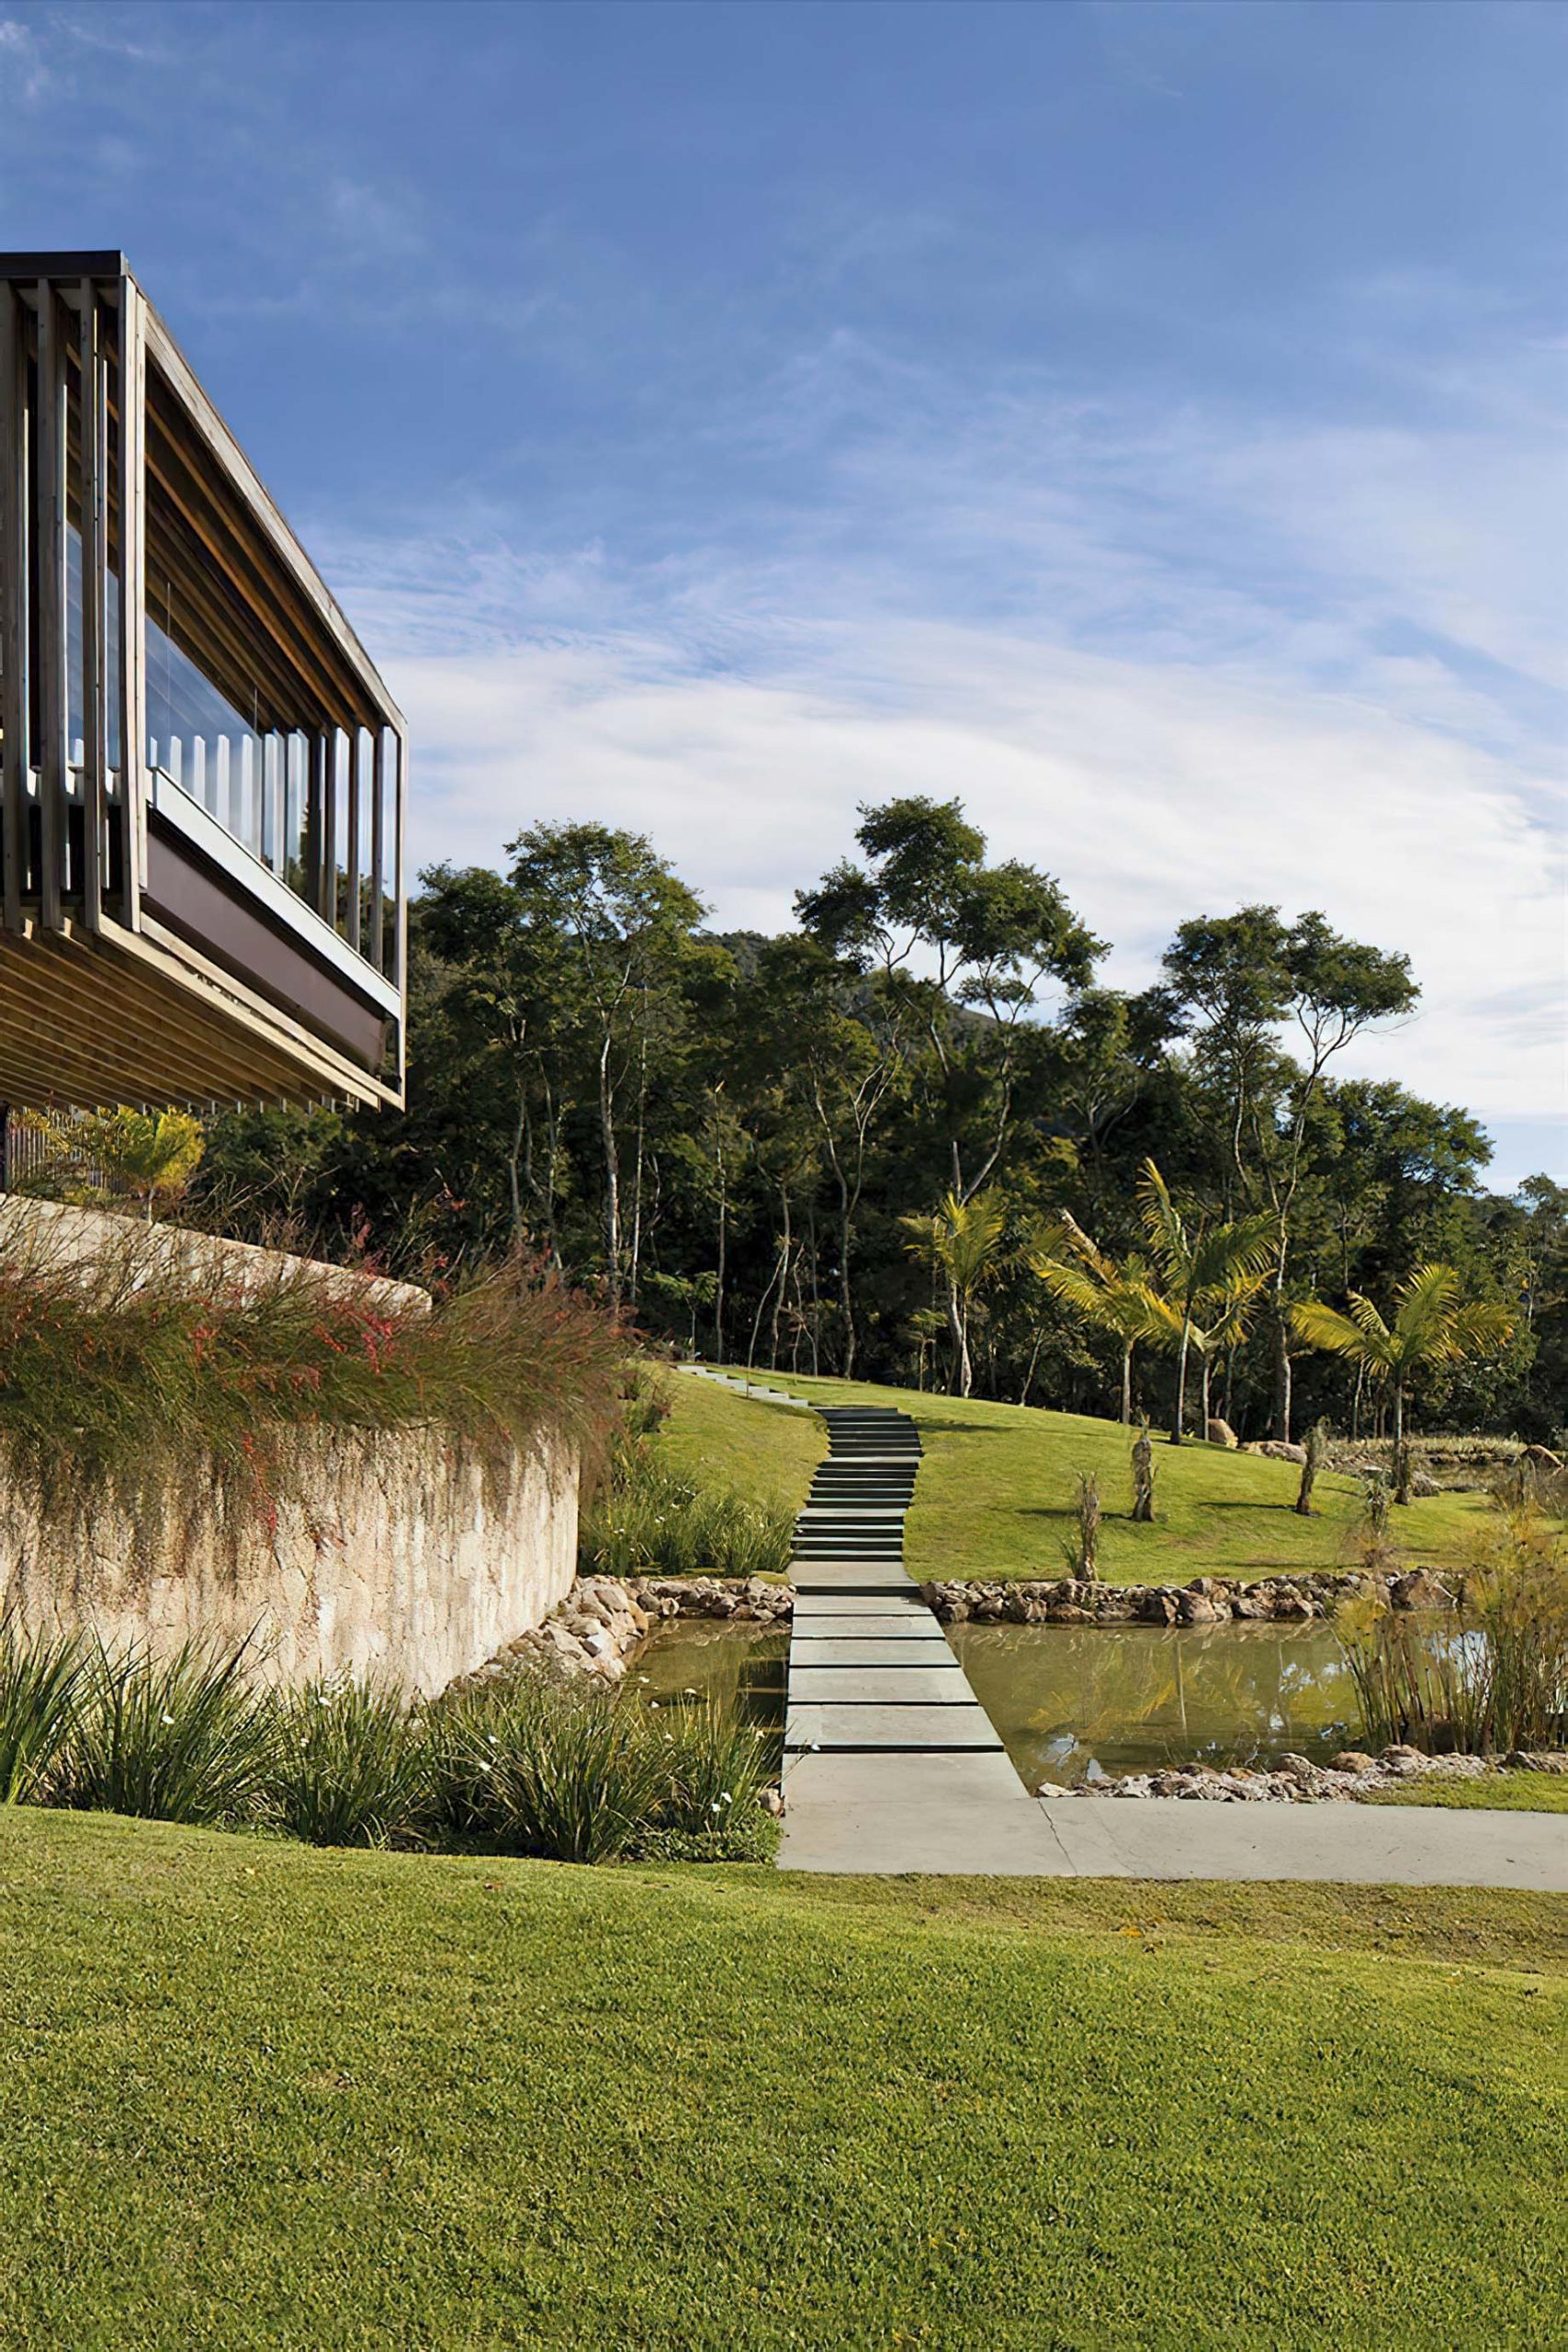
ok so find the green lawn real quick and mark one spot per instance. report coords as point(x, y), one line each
point(260, 2096)
point(1498, 1793)
point(995, 1492)
point(762, 1450)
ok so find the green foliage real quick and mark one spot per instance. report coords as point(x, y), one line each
point(1499, 1683)
point(545, 1767)
point(40, 1676)
point(146, 1372)
point(351, 1766)
point(184, 1738)
point(150, 1156)
point(651, 1520)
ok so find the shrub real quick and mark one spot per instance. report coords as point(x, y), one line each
point(177, 1739)
point(351, 1767)
point(1499, 1681)
point(651, 1521)
point(40, 1677)
point(150, 1370)
point(712, 1770)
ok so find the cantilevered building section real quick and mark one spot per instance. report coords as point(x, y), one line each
point(202, 777)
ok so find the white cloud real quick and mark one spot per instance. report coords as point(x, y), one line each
point(1152, 791)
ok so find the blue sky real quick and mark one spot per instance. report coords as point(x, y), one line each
point(1146, 420)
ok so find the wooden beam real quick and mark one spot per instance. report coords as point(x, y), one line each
point(378, 848)
point(16, 728)
point(95, 573)
point(53, 751)
point(351, 852)
point(131, 682)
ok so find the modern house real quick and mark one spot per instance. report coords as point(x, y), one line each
point(202, 776)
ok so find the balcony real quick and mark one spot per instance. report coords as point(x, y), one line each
point(203, 779)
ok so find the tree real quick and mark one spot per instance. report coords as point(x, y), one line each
point(1246, 975)
point(152, 1155)
point(1205, 1264)
point(1433, 1323)
point(946, 934)
point(623, 921)
point(961, 1243)
point(1114, 1298)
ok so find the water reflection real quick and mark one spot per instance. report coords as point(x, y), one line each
point(1072, 1701)
point(740, 1668)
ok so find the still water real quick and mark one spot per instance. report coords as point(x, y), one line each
point(1069, 1699)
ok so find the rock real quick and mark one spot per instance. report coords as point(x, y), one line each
point(1158, 1606)
point(771, 1800)
point(1423, 1486)
point(1221, 1433)
point(1525, 1759)
point(1278, 1449)
point(1067, 1612)
point(1417, 1590)
point(1194, 1608)
point(1351, 1760)
point(1404, 1759)
point(1541, 1457)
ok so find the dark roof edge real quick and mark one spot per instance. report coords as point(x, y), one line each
point(64, 265)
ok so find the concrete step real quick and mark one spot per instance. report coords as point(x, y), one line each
point(895, 1650)
point(829, 1726)
point(933, 1683)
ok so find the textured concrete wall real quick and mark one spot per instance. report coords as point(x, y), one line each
point(406, 1562)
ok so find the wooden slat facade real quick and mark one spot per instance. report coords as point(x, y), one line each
point(210, 929)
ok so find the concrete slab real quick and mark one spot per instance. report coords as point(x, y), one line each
point(834, 1725)
point(898, 1813)
point(863, 1686)
point(848, 1576)
point(897, 1649)
point(884, 1608)
point(1176, 1837)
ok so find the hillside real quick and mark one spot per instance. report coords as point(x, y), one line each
point(995, 1493)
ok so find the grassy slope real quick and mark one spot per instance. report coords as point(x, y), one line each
point(995, 1493)
point(763, 1450)
point(1499, 1793)
point(259, 2096)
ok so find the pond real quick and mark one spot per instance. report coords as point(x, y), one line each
point(1071, 1700)
point(740, 1668)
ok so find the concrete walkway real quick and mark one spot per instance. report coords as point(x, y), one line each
point(891, 1766)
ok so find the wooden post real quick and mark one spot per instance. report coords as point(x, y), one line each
point(53, 702)
point(94, 572)
point(131, 683)
point(15, 715)
point(379, 846)
point(351, 849)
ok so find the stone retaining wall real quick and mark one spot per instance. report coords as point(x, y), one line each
point(407, 1562)
point(1207, 1600)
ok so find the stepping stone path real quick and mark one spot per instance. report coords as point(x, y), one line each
point(891, 1686)
point(891, 1764)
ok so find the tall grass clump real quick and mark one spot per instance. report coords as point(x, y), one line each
point(1496, 1683)
point(552, 1770)
point(40, 1675)
point(152, 1369)
point(184, 1738)
point(351, 1766)
point(648, 1520)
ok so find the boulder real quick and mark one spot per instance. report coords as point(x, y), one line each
point(1221, 1433)
point(1197, 1608)
point(1351, 1760)
point(1417, 1590)
point(1278, 1449)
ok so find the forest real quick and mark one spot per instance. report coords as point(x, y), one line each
point(915, 1140)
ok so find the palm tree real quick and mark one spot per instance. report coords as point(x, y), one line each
point(1228, 1309)
point(1114, 1298)
point(1432, 1324)
point(153, 1155)
point(1205, 1266)
point(961, 1243)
